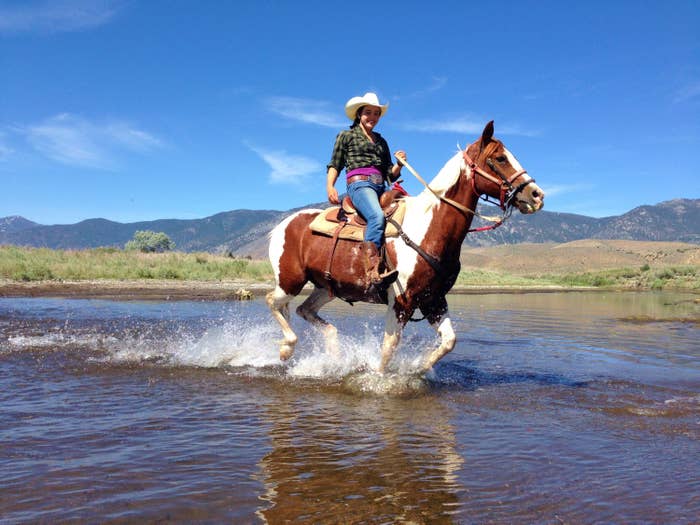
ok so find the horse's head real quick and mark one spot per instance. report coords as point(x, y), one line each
point(498, 174)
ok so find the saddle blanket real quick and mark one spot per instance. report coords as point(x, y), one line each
point(353, 227)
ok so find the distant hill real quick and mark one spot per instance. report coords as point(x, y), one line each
point(674, 220)
point(15, 223)
point(579, 256)
point(244, 232)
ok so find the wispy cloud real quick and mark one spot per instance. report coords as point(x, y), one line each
point(287, 168)
point(466, 125)
point(687, 92)
point(5, 150)
point(436, 85)
point(563, 189)
point(76, 141)
point(56, 16)
point(320, 113)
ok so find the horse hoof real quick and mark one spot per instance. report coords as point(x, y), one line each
point(286, 353)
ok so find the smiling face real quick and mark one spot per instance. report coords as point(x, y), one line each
point(369, 116)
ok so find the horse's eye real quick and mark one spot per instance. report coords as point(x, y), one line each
point(501, 159)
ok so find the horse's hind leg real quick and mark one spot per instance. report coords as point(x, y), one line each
point(278, 301)
point(309, 311)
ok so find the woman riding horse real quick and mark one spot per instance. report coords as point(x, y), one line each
point(426, 254)
point(364, 154)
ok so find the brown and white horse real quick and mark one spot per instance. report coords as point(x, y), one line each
point(435, 224)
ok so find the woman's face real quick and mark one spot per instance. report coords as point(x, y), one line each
point(369, 116)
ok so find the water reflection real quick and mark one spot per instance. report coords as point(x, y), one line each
point(347, 459)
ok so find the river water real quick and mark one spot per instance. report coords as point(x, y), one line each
point(553, 408)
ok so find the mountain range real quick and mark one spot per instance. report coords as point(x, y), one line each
point(244, 232)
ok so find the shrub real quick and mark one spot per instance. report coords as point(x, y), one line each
point(150, 242)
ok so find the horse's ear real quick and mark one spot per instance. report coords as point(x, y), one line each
point(487, 135)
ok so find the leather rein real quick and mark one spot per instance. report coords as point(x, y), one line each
point(507, 194)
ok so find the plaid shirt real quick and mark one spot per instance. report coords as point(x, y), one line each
point(354, 150)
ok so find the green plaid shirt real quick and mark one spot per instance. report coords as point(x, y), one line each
point(354, 150)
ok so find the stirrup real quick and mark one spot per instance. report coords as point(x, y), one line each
point(389, 276)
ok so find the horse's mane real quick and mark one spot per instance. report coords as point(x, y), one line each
point(443, 181)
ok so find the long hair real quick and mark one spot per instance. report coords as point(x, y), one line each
point(357, 116)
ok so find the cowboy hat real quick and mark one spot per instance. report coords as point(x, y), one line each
point(368, 99)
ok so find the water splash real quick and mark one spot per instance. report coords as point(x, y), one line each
point(240, 344)
point(394, 384)
point(235, 343)
point(58, 340)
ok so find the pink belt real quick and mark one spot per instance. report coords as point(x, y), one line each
point(369, 173)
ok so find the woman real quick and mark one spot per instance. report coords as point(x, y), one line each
point(364, 154)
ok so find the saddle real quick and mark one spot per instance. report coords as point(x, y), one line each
point(345, 222)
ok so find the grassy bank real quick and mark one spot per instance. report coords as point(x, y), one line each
point(643, 278)
point(40, 264)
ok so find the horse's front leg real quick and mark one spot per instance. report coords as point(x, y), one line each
point(439, 319)
point(393, 329)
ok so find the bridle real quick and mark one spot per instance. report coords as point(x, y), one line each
point(508, 191)
point(507, 194)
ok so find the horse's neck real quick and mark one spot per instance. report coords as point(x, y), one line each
point(448, 225)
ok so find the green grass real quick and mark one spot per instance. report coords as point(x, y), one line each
point(672, 277)
point(646, 277)
point(41, 264)
point(474, 277)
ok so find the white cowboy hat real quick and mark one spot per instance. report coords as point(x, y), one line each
point(368, 99)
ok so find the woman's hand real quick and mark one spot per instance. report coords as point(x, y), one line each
point(332, 195)
point(331, 177)
point(396, 168)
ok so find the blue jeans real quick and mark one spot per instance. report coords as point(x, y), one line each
point(365, 197)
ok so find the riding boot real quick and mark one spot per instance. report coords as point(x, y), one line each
point(377, 272)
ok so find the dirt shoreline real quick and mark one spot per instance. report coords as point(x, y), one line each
point(191, 290)
point(135, 290)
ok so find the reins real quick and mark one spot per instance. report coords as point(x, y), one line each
point(497, 221)
point(508, 193)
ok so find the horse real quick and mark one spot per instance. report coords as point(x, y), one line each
point(426, 253)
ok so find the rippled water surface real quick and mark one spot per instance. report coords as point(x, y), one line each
point(553, 408)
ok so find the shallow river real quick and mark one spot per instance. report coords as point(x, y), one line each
point(553, 408)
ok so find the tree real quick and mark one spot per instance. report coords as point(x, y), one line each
point(150, 241)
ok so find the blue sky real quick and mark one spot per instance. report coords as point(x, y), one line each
point(136, 110)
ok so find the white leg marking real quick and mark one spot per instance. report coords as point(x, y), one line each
point(392, 335)
point(278, 301)
point(448, 339)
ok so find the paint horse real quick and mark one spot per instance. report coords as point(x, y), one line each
point(426, 253)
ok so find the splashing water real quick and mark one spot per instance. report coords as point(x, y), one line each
point(227, 337)
point(252, 349)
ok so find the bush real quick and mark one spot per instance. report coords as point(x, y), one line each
point(150, 242)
